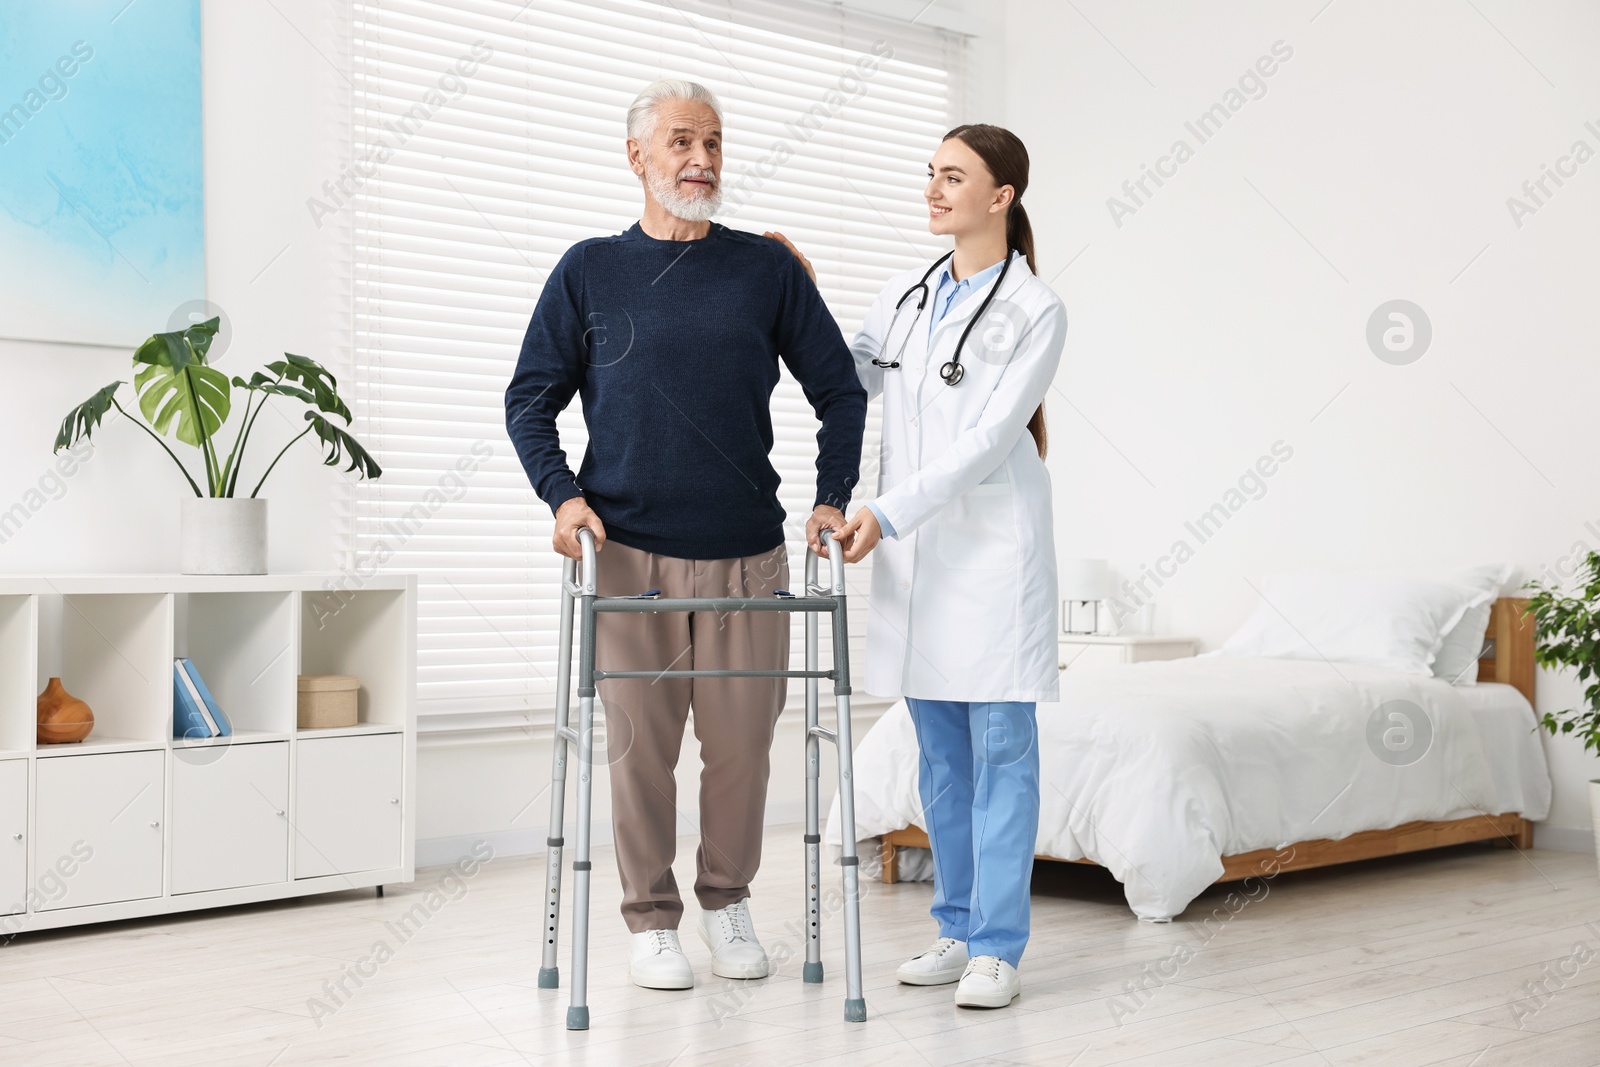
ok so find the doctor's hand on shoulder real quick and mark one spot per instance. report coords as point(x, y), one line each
point(785, 242)
point(573, 515)
point(859, 536)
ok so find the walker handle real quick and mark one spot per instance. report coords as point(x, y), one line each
point(586, 542)
point(835, 561)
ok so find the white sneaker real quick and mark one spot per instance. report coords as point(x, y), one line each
point(656, 961)
point(989, 982)
point(729, 933)
point(939, 965)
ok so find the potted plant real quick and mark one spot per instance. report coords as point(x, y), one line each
point(1568, 635)
point(222, 532)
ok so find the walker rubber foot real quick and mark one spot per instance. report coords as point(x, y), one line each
point(855, 1011)
point(549, 978)
point(811, 972)
point(578, 1018)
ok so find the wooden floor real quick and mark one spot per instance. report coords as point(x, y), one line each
point(1425, 959)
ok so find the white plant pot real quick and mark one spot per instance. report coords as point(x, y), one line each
point(1594, 814)
point(222, 535)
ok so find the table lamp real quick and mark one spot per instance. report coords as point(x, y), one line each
point(1084, 583)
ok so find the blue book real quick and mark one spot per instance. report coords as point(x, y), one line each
point(195, 699)
point(187, 721)
point(212, 711)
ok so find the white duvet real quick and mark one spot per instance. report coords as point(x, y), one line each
point(1157, 770)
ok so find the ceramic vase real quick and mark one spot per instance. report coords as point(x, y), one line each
point(222, 535)
point(63, 718)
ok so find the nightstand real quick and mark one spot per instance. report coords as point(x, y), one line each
point(1084, 651)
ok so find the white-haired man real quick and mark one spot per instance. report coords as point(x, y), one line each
point(672, 333)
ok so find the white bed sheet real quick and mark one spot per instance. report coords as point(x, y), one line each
point(1157, 770)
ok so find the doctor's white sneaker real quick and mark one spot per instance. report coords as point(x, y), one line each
point(941, 964)
point(731, 936)
point(656, 961)
point(989, 982)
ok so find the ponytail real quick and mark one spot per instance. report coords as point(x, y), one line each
point(1007, 159)
point(1019, 233)
point(1036, 427)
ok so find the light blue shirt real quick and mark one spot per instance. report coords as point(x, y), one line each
point(883, 523)
point(947, 293)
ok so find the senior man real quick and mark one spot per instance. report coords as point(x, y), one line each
point(671, 332)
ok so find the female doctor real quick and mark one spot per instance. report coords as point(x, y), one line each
point(963, 614)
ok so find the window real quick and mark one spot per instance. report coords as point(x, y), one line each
point(487, 138)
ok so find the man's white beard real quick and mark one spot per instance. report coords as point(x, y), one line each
point(687, 208)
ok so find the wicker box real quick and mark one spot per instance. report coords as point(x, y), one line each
point(327, 700)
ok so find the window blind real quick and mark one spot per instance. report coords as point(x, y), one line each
point(487, 137)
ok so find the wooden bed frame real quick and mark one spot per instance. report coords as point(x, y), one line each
point(1507, 657)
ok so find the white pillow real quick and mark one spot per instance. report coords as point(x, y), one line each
point(1375, 619)
point(1457, 661)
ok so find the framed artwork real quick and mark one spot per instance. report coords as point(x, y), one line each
point(102, 224)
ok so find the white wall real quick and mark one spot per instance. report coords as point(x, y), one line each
point(1229, 310)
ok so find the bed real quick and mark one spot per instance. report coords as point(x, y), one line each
point(1178, 774)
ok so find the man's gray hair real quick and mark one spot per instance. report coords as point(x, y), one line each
point(642, 112)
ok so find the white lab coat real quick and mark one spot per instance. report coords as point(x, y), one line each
point(964, 598)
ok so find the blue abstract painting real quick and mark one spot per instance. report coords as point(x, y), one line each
point(102, 227)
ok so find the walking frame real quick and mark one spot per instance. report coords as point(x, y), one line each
point(816, 601)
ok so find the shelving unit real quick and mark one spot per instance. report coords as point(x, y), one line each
point(132, 822)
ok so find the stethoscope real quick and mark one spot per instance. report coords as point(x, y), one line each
point(952, 372)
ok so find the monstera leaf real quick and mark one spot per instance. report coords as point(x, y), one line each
point(315, 379)
point(264, 383)
point(175, 385)
point(179, 348)
point(82, 420)
point(316, 385)
point(196, 398)
point(339, 445)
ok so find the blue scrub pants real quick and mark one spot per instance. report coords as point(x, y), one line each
point(978, 775)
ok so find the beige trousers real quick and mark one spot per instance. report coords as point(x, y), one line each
point(733, 720)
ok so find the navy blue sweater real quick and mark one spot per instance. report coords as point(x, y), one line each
point(674, 347)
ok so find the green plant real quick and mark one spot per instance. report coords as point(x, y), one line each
point(179, 392)
point(1568, 635)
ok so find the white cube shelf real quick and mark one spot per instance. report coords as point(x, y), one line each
point(130, 821)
